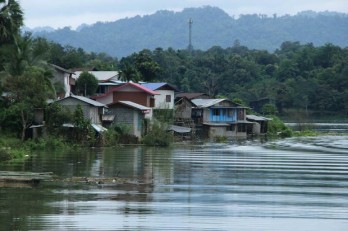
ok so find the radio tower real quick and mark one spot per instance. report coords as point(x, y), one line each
point(190, 47)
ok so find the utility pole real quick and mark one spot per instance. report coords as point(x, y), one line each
point(190, 47)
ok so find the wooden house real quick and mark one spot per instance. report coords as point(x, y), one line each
point(130, 92)
point(220, 117)
point(192, 95)
point(183, 108)
point(260, 124)
point(92, 110)
point(130, 114)
point(165, 98)
point(63, 78)
point(107, 80)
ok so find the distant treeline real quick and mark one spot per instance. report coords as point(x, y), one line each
point(294, 76)
point(211, 27)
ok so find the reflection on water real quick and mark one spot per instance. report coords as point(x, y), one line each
point(292, 184)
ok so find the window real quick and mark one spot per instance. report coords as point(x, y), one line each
point(231, 128)
point(241, 128)
point(216, 112)
point(168, 98)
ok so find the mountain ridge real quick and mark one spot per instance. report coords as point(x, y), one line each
point(211, 27)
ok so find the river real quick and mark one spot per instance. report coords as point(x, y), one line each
point(284, 185)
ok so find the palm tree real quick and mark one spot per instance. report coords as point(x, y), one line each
point(11, 19)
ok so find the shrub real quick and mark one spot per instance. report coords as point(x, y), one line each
point(276, 127)
point(158, 135)
point(5, 155)
point(221, 139)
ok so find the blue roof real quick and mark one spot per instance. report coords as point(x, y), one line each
point(155, 86)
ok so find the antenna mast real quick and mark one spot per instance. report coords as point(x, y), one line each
point(190, 47)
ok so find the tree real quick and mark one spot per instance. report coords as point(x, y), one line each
point(87, 84)
point(129, 73)
point(27, 93)
point(11, 19)
point(146, 66)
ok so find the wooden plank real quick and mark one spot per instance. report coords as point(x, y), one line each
point(24, 177)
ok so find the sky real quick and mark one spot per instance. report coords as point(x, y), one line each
point(72, 13)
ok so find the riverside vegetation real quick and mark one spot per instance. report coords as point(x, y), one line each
point(295, 75)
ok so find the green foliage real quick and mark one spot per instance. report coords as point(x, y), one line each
point(269, 109)
point(27, 92)
point(5, 155)
point(277, 128)
point(139, 66)
point(111, 137)
point(11, 19)
point(220, 139)
point(87, 84)
point(82, 132)
point(119, 134)
point(47, 143)
point(158, 135)
point(306, 132)
point(164, 115)
point(56, 117)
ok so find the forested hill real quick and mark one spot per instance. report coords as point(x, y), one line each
point(211, 26)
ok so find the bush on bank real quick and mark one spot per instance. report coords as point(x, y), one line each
point(277, 128)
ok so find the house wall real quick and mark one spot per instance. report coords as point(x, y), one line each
point(214, 131)
point(89, 112)
point(206, 115)
point(160, 100)
point(183, 110)
point(64, 78)
point(223, 115)
point(136, 97)
point(108, 99)
point(130, 117)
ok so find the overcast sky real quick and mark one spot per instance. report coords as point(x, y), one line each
point(61, 13)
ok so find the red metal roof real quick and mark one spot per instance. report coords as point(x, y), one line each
point(147, 90)
point(135, 85)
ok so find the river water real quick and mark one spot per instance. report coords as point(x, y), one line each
point(284, 185)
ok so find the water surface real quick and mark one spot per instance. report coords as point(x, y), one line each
point(291, 184)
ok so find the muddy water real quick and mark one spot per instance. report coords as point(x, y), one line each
point(291, 184)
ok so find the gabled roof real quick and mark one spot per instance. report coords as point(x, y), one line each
point(84, 99)
point(61, 69)
point(138, 86)
point(132, 105)
point(134, 85)
point(206, 102)
point(190, 95)
point(257, 118)
point(157, 86)
point(211, 102)
point(179, 100)
point(101, 76)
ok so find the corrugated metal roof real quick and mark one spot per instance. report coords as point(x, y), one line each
point(89, 101)
point(156, 86)
point(179, 129)
point(62, 69)
point(134, 105)
point(99, 128)
point(206, 102)
point(102, 76)
point(147, 90)
point(257, 118)
point(84, 99)
point(190, 95)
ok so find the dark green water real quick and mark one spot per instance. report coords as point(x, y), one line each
point(292, 184)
